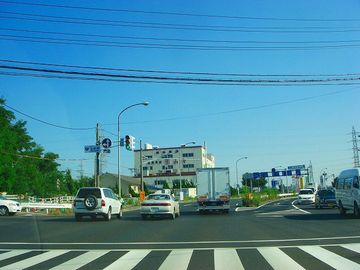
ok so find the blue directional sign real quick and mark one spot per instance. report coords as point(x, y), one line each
point(106, 143)
point(92, 148)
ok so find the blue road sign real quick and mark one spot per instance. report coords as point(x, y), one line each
point(106, 143)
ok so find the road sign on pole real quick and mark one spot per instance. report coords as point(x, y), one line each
point(106, 143)
point(92, 148)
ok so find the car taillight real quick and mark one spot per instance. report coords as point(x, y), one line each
point(102, 203)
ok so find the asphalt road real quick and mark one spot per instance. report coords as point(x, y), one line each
point(275, 236)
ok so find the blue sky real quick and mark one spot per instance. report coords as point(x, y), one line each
point(292, 133)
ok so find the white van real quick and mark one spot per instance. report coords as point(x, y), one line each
point(347, 192)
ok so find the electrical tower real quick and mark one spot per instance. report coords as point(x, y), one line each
point(355, 148)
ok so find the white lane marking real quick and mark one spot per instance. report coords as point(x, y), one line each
point(185, 242)
point(353, 247)
point(35, 260)
point(297, 208)
point(330, 258)
point(12, 253)
point(179, 258)
point(80, 260)
point(278, 259)
point(129, 260)
point(227, 259)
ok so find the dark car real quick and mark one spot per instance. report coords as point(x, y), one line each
point(325, 198)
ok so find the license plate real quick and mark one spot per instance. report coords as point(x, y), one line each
point(154, 209)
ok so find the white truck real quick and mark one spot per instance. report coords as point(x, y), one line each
point(213, 189)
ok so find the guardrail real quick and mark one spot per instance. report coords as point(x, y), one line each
point(45, 206)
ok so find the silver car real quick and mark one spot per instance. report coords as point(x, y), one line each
point(160, 205)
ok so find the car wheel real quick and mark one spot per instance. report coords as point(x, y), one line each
point(90, 202)
point(316, 206)
point(12, 214)
point(108, 215)
point(120, 213)
point(356, 210)
point(173, 214)
point(341, 209)
point(4, 211)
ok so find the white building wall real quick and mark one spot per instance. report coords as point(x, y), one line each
point(166, 164)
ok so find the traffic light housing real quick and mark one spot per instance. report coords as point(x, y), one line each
point(129, 142)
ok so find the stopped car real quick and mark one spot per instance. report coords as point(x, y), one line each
point(91, 201)
point(306, 196)
point(8, 207)
point(325, 198)
point(160, 205)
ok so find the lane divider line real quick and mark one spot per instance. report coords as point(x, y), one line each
point(297, 208)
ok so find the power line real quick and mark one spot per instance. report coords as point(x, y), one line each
point(177, 39)
point(45, 122)
point(157, 25)
point(167, 82)
point(114, 44)
point(44, 158)
point(178, 13)
point(177, 72)
point(185, 79)
point(178, 28)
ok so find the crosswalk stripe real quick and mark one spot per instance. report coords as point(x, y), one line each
point(353, 247)
point(227, 259)
point(278, 259)
point(12, 253)
point(330, 258)
point(179, 257)
point(129, 260)
point(35, 260)
point(80, 260)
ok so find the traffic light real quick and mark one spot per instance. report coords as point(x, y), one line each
point(129, 142)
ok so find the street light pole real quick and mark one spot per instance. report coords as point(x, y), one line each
point(118, 141)
point(237, 177)
point(322, 176)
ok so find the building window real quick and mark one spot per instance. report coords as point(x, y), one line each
point(145, 168)
point(163, 167)
point(188, 166)
point(170, 166)
point(160, 162)
point(188, 154)
point(176, 151)
point(157, 152)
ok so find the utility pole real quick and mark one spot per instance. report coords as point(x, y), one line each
point(355, 149)
point(97, 159)
point(141, 168)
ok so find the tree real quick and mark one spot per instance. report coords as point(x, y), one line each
point(24, 167)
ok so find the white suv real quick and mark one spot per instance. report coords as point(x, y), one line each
point(93, 201)
point(8, 207)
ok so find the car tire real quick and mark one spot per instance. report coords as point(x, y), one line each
point(12, 213)
point(173, 215)
point(120, 213)
point(4, 211)
point(356, 210)
point(108, 215)
point(342, 209)
point(90, 202)
point(77, 217)
point(316, 206)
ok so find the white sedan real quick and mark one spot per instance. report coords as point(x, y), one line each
point(158, 205)
point(306, 196)
point(8, 207)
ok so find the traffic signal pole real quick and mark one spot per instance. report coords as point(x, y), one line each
point(97, 158)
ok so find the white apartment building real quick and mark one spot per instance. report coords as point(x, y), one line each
point(167, 166)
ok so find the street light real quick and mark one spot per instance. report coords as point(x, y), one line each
point(237, 177)
point(180, 158)
point(322, 173)
point(118, 142)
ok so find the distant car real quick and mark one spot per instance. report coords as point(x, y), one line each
point(325, 198)
point(92, 201)
point(160, 205)
point(306, 196)
point(8, 207)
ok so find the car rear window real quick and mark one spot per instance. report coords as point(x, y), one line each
point(306, 191)
point(159, 197)
point(89, 191)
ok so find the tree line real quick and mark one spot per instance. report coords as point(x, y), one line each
point(25, 167)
